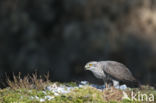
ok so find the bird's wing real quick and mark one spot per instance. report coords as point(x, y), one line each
point(118, 71)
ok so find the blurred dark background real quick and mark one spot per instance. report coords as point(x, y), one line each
point(60, 36)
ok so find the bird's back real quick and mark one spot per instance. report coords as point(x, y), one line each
point(117, 71)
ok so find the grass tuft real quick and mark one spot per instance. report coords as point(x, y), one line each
point(28, 81)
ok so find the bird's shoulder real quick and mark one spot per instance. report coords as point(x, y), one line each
point(113, 64)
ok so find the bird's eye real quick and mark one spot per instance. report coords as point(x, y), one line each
point(90, 64)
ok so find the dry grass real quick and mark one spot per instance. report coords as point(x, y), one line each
point(112, 94)
point(28, 81)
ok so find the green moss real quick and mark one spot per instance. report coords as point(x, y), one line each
point(72, 84)
point(21, 95)
point(79, 95)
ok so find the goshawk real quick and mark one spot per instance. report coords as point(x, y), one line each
point(110, 72)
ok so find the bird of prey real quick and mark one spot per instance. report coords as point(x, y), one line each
point(110, 72)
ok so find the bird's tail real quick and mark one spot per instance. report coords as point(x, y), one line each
point(136, 84)
point(133, 84)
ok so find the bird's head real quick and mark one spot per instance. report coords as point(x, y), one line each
point(91, 65)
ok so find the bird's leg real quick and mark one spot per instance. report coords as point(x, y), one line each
point(105, 82)
point(106, 85)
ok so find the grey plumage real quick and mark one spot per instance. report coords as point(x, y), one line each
point(110, 71)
